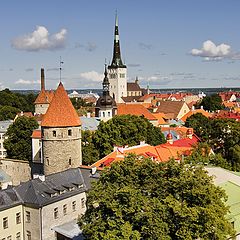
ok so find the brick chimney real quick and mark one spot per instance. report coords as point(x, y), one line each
point(42, 80)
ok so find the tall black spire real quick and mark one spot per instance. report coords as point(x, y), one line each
point(116, 61)
point(105, 83)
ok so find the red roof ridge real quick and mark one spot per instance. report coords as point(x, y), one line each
point(61, 112)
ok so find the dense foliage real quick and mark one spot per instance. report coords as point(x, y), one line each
point(222, 135)
point(211, 103)
point(89, 153)
point(124, 130)
point(141, 199)
point(12, 103)
point(18, 143)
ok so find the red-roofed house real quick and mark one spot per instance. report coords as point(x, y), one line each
point(137, 110)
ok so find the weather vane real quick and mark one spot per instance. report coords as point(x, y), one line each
point(60, 68)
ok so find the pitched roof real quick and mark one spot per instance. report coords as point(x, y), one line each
point(131, 98)
point(36, 134)
point(61, 112)
point(160, 153)
point(170, 107)
point(192, 112)
point(134, 109)
point(160, 117)
point(133, 86)
point(44, 97)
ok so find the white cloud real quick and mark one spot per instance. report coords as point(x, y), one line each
point(40, 39)
point(212, 52)
point(26, 82)
point(93, 76)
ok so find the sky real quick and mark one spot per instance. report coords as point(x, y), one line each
point(166, 44)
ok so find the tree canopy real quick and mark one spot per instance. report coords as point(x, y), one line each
point(211, 103)
point(18, 143)
point(140, 199)
point(222, 135)
point(11, 103)
point(125, 130)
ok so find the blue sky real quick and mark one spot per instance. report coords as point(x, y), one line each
point(168, 44)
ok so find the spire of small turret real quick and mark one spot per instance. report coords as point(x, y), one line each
point(105, 82)
point(116, 61)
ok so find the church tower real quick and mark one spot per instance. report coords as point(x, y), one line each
point(106, 106)
point(61, 134)
point(117, 71)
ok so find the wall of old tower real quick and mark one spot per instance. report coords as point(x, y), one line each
point(41, 108)
point(61, 148)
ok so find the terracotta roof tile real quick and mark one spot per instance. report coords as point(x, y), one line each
point(192, 112)
point(134, 109)
point(61, 112)
point(44, 97)
point(170, 107)
point(36, 134)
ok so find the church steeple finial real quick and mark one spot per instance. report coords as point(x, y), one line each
point(116, 61)
point(105, 82)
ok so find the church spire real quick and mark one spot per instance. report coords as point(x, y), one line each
point(116, 61)
point(105, 83)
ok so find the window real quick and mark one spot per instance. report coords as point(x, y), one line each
point(69, 132)
point(55, 213)
point(122, 75)
point(70, 161)
point(65, 209)
point(109, 114)
point(5, 222)
point(54, 133)
point(18, 218)
point(83, 203)
point(28, 235)
point(74, 206)
point(18, 236)
point(28, 217)
point(9, 237)
point(103, 114)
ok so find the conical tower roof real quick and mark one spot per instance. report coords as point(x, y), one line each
point(61, 112)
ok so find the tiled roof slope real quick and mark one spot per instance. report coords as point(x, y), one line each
point(173, 107)
point(44, 97)
point(192, 112)
point(134, 109)
point(133, 86)
point(61, 112)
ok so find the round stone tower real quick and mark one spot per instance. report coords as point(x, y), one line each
point(61, 135)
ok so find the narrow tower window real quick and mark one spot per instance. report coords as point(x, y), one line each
point(54, 134)
point(70, 161)
point(69, 132)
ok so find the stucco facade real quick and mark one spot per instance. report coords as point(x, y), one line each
point(13, 225)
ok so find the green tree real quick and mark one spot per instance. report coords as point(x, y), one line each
point(211, 103)
point(8, 112)
point(18, 143)
point(200, 124)
point(125, 130)
point(140, 199)
point(89, 153)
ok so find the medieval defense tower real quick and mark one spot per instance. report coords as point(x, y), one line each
point(61, 135)
point(117, 71)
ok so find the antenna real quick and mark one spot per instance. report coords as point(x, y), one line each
point(60, 68)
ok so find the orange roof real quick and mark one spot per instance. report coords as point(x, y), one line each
point(160, 117)
point(36, 134)
point(202, 111)
point(229, 104)
point(160, 153)
point(44, 97)
point(134, 109)
point(61, 112)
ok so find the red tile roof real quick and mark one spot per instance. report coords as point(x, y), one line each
point(61, 112)
point(134, 109)
point(36, 134)
point(44, 97)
